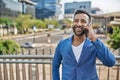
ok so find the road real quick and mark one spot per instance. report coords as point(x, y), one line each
point(37, 37)
point(40, 39)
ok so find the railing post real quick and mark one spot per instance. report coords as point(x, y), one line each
point(23, 68)
point(37, 67)
point(117, 77)
point(99, 71)
point(29, 69)
point(0, 73)
point(118, 68)
point(17, 70)
point(108, 73)
point(44, 76)
point(50, 66)
point(11, 72)
point(5, 71)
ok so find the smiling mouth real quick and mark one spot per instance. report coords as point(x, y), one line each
point(78, 31)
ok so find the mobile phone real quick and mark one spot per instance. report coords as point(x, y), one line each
point(86, 32)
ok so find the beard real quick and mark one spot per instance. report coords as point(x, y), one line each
point(76, 33)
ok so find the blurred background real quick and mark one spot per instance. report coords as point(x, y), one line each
point(31, 29)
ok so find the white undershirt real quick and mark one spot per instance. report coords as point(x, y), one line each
point(77, 50)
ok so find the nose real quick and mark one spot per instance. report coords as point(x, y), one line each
point(79, 23)
point(78, 26)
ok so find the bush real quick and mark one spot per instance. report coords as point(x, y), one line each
point(9, 47)
point(114, 41)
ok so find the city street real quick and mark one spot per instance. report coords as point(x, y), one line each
point(42, 39)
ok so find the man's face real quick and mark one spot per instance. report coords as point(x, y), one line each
point(80, 20)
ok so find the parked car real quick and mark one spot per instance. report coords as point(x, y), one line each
point(27, 45)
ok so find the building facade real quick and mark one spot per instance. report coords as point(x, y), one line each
point(12, 8)
point(69, 8)
point(47, 8)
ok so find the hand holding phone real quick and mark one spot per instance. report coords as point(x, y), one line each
point(86, 31)
point(89, 32)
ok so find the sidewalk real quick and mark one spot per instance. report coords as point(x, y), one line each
point(30, 34)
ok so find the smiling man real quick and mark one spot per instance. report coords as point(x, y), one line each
point(78, 53)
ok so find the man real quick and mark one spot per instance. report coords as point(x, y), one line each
point(78, 53)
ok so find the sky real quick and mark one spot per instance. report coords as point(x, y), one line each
point(105, 5)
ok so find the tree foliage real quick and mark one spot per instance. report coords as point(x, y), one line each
point(5, 20)
point(9, 47)
point(67, 22)
point(52, 21)
point(114, 41)
point(23, 23)
point(39, 23)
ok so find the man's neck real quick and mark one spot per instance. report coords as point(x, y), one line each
point(77, 40)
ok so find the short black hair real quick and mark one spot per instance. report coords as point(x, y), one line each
point(79, 11)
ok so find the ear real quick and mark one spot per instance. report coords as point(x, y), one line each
point(73, 25)
point(90, 24)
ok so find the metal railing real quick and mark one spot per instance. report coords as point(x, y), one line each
point(38, 67)
point(25, 67)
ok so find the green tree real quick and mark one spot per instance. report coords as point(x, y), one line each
point(67, 23)
point(39, 23)
point(23, 23)
point(114, 41)
point(2, 47)
point(5, 21)
point(9, 47)
point(52, 21)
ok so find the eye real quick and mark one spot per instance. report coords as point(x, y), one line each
point(76, 20)
point(83, 21)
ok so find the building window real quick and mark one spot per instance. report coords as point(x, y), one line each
point(84, 7)
point(80, 6)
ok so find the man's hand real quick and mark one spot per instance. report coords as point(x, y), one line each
point(91, 34)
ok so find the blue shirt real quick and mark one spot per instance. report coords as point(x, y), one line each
point(85, 68)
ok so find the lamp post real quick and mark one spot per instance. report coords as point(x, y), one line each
point(23, 7)
point(34, 29)
point(49, 38)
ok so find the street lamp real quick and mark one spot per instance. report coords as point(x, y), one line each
point(23, 6)
point(49, 38)
point(34, 29)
